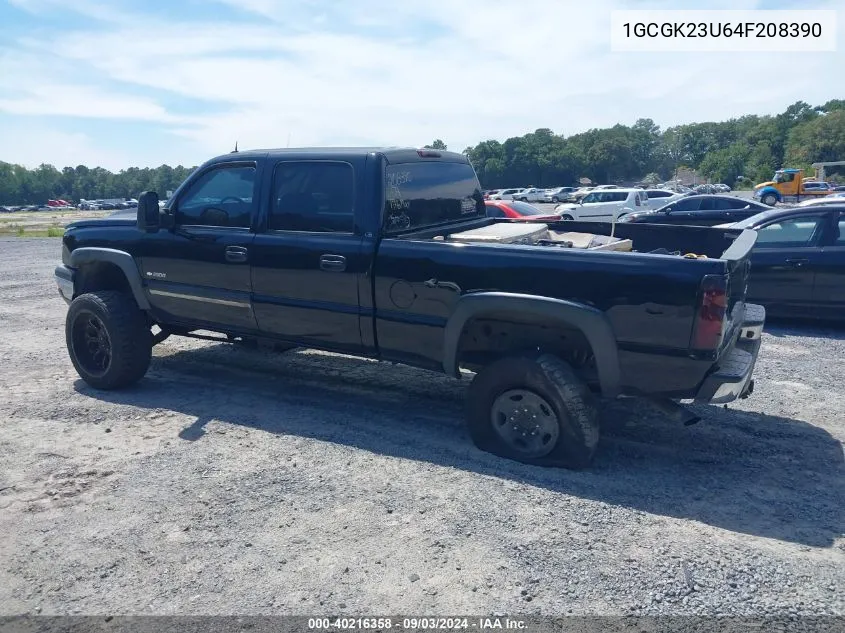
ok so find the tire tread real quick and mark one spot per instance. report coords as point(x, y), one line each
point(129, 334)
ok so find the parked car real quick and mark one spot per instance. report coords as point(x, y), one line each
point(516, 209)
point(604, 205)
point(558, 194)
point(661, 197)
point(307, 248)
point(833, 198)
point(706, 188)
point(816, 185)
point(699, 210)
point(505, 194)
point(531, 194)
point(798, 261)
point(580, 193)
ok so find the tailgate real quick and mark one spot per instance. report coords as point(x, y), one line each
point(738, 259)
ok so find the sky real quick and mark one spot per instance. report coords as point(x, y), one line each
point(121, 83)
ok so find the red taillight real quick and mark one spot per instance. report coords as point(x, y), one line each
point(428, 153)
point(711, 318)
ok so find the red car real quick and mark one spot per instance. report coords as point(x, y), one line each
point(517, 210)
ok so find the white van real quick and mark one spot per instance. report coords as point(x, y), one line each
point(604, 205)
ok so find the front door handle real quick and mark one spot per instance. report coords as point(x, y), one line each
point(797, 263)
point(236, 254)
point(333, 263)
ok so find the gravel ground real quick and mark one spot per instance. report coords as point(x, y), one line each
point(231, 481)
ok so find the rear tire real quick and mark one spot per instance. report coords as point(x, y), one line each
point(108, 338)
point(555, 199)
point(535, 410)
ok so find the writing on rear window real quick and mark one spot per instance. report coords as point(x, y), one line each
point(426, 194)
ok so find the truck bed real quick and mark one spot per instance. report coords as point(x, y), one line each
point(649, 295)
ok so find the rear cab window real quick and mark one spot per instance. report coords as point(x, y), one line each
point(429, 193)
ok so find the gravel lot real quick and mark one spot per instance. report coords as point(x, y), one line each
point(231, 481)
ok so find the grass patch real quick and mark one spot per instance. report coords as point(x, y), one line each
point(19, 230)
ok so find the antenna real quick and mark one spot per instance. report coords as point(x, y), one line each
point(235, 151)
point(288, 139)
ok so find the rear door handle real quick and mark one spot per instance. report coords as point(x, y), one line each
point(797, 263)
point(236, 254)
point(333, 263)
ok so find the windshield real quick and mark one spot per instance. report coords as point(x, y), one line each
point(523, 208)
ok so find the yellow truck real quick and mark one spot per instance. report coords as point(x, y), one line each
point(789, 185)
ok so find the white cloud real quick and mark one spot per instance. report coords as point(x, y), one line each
point(35, 144)
point(394, 72)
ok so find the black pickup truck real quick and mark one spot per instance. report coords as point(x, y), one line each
point(360, 251)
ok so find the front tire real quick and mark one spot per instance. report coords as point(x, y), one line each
point(535, 410)
point(770, 199)
point(566, 216)
point(108, 338)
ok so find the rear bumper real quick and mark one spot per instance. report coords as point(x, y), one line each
point(64, 280)
point(732, 379)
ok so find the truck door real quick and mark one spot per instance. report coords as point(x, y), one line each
point(784, 263)
point(198, 272)
point(308, 256)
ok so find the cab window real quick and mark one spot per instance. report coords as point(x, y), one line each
point(790, 232)
point(839, 237)
point(425, 194)
point(223, 196)
point(313, 196)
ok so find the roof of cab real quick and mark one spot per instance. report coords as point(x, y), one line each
point(392, 154)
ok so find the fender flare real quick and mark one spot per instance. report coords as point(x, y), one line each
point(590, 321)
point(766, 190)
point(122, 260)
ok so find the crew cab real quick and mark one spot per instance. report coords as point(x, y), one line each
point(385, 253)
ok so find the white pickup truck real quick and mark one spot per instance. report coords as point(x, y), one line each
point(531, 194)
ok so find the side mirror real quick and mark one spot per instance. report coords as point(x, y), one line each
point(149, 215)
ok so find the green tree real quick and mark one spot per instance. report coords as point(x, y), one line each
point(437, 144)
point(725, 165)
point(819, 139)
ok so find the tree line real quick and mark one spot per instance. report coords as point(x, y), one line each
point(743, 150)
point(19, 185)
point(746, 149)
